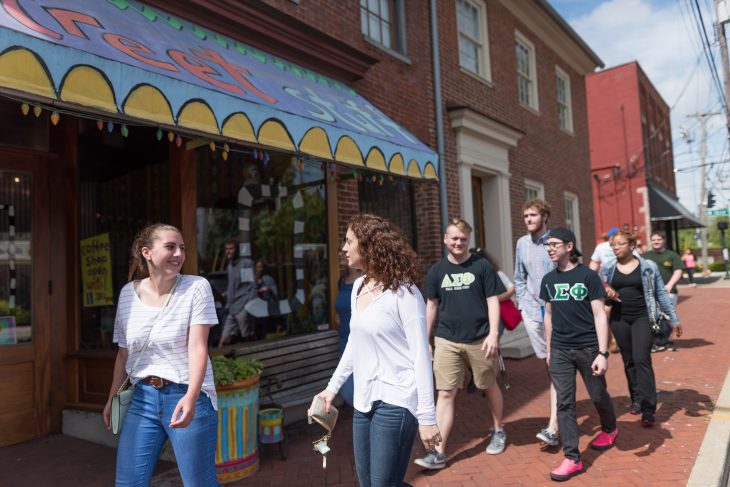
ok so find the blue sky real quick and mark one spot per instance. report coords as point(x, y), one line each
point(662, 36)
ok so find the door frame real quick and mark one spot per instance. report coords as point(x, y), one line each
point(38, 351)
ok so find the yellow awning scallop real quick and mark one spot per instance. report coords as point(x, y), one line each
point(348, 152)
point(316, 143)
point(273, 133)
point(21, 70)
point(238, 126)
point(89, 87)
point(197, 115)
point(148, 103)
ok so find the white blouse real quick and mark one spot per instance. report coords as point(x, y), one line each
point(387, 354)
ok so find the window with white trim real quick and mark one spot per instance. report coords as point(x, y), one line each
point(562, 95)
point(526, 71)
point(471, 22)
point(382, 21)
point(572, 215)
point(534, 189)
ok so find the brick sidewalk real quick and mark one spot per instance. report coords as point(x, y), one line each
point(689, 381)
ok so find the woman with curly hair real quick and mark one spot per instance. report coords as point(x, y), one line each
point(387, 354)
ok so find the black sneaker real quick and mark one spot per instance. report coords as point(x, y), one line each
point(658, 348)
point(635, 409)
point(671, 347)
point(647, 418)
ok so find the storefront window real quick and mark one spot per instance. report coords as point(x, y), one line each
point(124, 185)
point(270, 210)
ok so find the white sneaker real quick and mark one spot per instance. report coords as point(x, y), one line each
point(497, 443)
point(548, 437)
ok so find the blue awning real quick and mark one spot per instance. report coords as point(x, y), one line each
point(134, 62)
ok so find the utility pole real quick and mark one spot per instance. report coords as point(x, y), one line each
point(703, 117)
point(721, 9)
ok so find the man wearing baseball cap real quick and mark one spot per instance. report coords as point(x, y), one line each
point(576, 331)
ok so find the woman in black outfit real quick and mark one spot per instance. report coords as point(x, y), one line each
point(637, 289)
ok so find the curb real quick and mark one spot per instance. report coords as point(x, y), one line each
point(713, 459)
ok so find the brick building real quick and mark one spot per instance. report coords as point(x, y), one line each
point(632, 162)
point(273, 121)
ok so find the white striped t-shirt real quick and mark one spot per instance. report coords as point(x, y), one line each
point(167, 353)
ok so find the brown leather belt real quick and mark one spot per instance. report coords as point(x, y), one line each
point(157, 382)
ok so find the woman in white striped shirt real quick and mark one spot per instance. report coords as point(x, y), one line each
point(174, 394)
point(386, 353)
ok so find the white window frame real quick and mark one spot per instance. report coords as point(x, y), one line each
point(484, 68)
point(525, 43)
point(573, 198)
point(561, 75)
point(535, 186)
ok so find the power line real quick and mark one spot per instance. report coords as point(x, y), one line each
point(707, 48)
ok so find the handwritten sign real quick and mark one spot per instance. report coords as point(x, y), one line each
point(96, 271)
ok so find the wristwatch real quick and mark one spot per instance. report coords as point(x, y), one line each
point(605, 354)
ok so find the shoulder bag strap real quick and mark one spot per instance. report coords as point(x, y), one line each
point(147, 341)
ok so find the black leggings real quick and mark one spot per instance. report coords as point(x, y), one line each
point(634, 338)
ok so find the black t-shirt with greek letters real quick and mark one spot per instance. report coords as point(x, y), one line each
point(570, 294)
point(462, 291)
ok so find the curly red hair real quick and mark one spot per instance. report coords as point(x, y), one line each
point(386, 254)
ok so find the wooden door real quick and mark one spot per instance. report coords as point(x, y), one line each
point(24, 298)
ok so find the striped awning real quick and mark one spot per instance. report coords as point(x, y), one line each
point(137, 63)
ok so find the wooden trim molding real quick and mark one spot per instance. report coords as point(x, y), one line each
point(269, 29)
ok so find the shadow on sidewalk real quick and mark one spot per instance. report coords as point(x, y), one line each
point(692, 343)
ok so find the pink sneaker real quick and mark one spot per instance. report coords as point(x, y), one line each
point(566, 470)
point(604, 441)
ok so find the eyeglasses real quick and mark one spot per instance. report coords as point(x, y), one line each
point(552, 245)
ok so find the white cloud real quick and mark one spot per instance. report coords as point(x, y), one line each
point(663, 38)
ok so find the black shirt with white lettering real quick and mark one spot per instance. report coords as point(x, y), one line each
point(462, 291)
point(570, 294)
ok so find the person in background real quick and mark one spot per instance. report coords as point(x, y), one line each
point(603, 254)
point(240, 290)
point(343, 307)
point(689, 265)
point(463, 308)
point(671, 267)
point(509, 286)
point(387, 354)
point(265, 285)
point(174, 395)
point(577, 334)
point(635, 287)
point(532, 262)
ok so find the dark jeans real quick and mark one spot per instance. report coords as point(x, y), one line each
point(634, 338)
point(563, 365)
point(383, 439)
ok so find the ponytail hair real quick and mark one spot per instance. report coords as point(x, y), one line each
point(145, 238)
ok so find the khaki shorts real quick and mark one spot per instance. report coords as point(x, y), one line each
point(452, 359)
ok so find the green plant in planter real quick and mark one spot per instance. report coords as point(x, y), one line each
point(228, 370)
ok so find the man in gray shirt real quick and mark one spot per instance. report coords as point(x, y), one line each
point(241, 289)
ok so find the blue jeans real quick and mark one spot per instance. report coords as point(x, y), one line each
point(382, 440)
point(146, 427)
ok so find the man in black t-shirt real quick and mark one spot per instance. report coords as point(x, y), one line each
point(576, 331)
point(462, 291)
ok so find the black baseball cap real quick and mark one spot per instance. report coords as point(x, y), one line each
point(566, 236)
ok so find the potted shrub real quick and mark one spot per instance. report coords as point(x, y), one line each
point(237, 387)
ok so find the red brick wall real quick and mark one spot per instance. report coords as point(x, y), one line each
point(619, 98)
point(403, 89)
point(546, 153)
